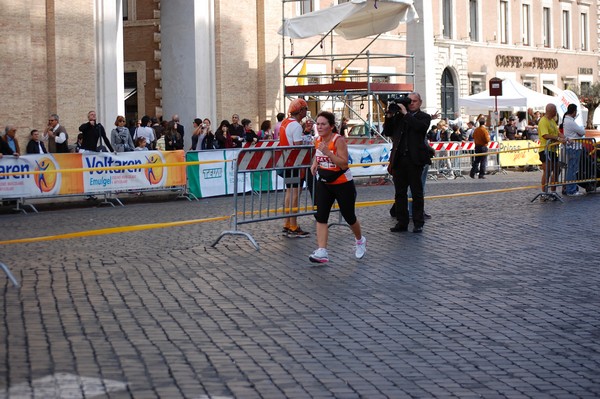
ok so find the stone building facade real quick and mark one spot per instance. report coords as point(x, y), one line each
point(458, 46)
point(62, 57)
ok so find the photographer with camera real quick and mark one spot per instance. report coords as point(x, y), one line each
point(407, 125)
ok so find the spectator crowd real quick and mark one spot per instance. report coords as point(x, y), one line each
point(154, 133)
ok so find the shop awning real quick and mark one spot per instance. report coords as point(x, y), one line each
point(352, 20)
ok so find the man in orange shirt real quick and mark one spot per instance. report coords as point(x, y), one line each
point(481, 138)
point(290, 134)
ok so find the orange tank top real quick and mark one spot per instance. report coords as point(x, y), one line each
point(325, 163)
point(283, 139)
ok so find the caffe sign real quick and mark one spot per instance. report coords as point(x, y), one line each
point(513, 61)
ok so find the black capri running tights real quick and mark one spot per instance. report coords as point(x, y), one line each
point(326, 194)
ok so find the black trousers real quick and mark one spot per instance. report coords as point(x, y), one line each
point(407, 174)
point(479, 163)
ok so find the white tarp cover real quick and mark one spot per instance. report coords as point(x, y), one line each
point(352, 20)
point(514, 95)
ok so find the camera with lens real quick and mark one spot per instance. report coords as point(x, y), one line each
point(393, 105)
point(393, 116)
point(392, 109)
point(404, 100)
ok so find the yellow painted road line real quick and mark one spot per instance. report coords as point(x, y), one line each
point(113, 230)
point(152, 226)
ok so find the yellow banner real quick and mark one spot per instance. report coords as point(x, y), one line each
point(526, 153)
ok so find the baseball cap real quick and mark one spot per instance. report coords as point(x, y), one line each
point(296, 106)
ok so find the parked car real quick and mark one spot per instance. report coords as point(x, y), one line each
point(362, 131)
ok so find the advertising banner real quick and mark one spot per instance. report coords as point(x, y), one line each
point(519, 158)
point(369, 154)
point(216, 176)
point(144, 170)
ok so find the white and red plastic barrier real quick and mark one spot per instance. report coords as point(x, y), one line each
point(459, 146)
point(257, 160)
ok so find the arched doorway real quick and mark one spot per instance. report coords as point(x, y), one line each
point(448, 94)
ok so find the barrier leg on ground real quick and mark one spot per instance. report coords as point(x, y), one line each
point(109, 201)
point(111, 198)
point(184, 193)
point(9, 274)
point(21, 206)
point(239, 233)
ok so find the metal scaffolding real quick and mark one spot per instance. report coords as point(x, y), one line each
point(348, 92)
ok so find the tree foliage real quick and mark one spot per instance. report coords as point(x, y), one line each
point(589, 95)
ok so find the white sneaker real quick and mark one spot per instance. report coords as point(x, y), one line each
point(361, 247)
point(576, 194)
point(319, 256)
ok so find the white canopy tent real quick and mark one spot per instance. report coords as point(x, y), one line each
point(514, 97)
point(352, 20)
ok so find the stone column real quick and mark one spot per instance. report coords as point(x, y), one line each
point(420, 43)
point(188, 61)
point(110, 100)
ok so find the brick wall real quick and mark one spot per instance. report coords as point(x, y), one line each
point(139, 44)
point(47, 53)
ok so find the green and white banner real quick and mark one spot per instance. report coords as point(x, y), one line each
point(215, 175)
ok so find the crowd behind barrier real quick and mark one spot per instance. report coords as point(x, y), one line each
point(576, 163)
point(211, 172)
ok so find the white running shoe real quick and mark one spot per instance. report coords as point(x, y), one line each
point(576, 194)
point(319, 256)
point(361, 247)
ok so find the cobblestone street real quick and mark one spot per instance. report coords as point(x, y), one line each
point(499, 297)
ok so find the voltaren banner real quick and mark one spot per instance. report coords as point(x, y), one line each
point(141, 170)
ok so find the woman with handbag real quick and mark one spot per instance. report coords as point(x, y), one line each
point(120, 138)
point(333, 182)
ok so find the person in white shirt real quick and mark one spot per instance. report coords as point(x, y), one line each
point(145, 131)
point(572, 132)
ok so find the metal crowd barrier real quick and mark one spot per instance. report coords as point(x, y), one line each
point(266, 168)
point(444, 163)
point(453, 159)
point(576, 163)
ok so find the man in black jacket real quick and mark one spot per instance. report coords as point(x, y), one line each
point(407, 125)
point(94, 135)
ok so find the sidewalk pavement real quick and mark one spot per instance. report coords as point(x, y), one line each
point(498, 297)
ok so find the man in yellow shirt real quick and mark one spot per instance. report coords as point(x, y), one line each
point(549, 139)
